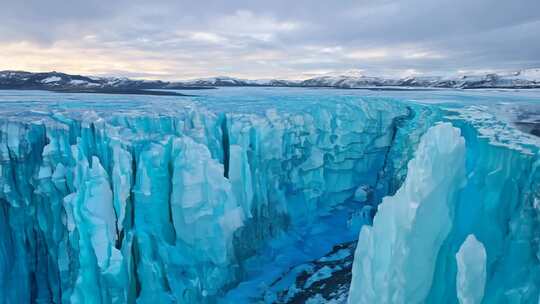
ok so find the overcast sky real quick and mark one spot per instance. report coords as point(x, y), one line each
point(268, 39)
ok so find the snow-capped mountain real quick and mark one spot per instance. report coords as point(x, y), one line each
point(27, 80)
point(344, 81)
point(225, 81)
point(529, 78)
point(62, 81)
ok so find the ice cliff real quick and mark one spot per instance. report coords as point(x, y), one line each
point(394, 259)
point(463, 226)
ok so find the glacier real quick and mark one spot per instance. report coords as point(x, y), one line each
point(241, 194)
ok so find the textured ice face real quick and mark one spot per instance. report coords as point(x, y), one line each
point(395, 258)
point(489, 188)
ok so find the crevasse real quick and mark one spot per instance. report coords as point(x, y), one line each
point(166, 207)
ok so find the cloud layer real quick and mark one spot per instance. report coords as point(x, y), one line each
point(289, 39)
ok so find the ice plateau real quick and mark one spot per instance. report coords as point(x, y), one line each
point(254, 195)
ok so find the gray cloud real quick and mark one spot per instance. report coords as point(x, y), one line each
point(181, 39)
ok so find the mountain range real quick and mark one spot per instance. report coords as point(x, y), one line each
point(56, 81)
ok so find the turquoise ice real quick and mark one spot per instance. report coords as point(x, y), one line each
point(395, 258)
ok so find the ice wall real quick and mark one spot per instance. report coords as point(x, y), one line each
point(497, 202)
point(124, 207)
point(499, 205)
point(395, 258)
